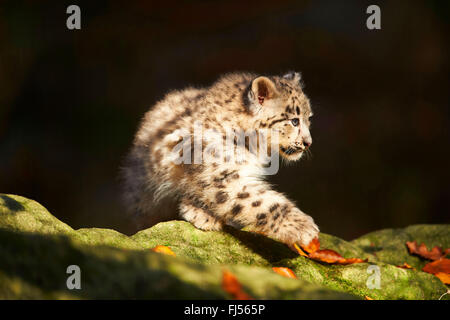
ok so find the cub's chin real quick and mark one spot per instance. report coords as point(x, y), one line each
point(291, 154)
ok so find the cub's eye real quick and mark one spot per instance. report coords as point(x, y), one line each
point(295, 122)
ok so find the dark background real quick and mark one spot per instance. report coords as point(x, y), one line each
point(70, 101)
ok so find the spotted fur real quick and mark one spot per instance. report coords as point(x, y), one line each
point(210, 195)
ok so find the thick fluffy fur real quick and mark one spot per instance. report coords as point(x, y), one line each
point(210, 195)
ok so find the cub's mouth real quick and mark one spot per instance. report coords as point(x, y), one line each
point(289, 151)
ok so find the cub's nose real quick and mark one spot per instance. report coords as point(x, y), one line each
point(307, 143)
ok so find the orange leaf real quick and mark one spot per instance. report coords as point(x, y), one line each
point(405, 266)
point(331, 256)
point(444, 277)
point(352, 261)
point(285, 272)
point(300, 251)
point(231, 285)
point(367, 298)
point(326, 255)
point(435, 254)
point(313, 246)
point(164, 250)
point(438, 266)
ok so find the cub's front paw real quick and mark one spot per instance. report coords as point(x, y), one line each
point(308, 229)
point(297, 228)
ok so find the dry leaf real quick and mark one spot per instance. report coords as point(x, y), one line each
point(326, 255)
point(300, 251)
point(438, 266)
point(444, 277)
point(367, 298)
point(331, 256)
point(435, 254)
point(164, 250)
point(405, 266)
point(313, 246)
point(231, 285)
point(285, 272)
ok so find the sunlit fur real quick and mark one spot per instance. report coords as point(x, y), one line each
point(210, 195)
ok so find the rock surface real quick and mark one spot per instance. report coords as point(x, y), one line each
point(36, 249)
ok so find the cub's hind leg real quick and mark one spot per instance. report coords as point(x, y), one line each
point(199, 216)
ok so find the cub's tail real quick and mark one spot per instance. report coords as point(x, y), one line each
point(138, 192)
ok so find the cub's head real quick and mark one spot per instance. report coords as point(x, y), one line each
point(279, 105)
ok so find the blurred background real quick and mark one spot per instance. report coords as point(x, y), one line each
point(71, 101)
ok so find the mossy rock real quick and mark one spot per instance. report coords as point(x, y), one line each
point(36, 248)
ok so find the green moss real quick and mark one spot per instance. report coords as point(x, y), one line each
point(36, 249)
point(389, 245)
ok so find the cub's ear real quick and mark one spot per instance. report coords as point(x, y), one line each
point(293, 76)
point(262, 90)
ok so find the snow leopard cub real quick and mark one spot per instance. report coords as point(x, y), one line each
point(212, 194)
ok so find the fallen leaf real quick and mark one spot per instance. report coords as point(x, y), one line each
point(300, 251)
point(326, 255)
point(438, 266)
point(405, 266)
point(164, 250)
point(444, 277)
point(313, 246)
point(435, 254)
point(285, 272)
point(231, 285)
point(332, 257)
point(367, 298)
